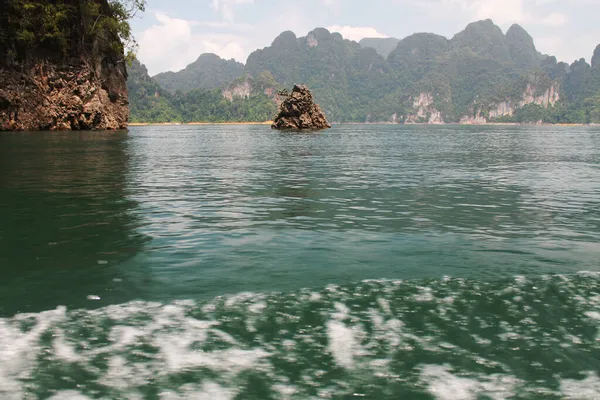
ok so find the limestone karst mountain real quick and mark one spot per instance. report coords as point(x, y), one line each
point(479, 75)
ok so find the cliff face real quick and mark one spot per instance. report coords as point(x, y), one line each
point(82, 87)
point(47, 96)
point(425, 111)
point(545, 99)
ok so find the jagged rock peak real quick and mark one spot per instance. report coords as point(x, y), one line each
point(298, 111)
point(517, 34)
point(321, 33)
point(486, 25)
point(517, 30)
point(522, 48)
point(596, 58)
point(485, 39)
point(285, 38)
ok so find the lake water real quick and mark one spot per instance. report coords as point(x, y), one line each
point(234, 262)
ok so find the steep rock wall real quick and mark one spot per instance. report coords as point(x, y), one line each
point(425, 111)
point(507, 108)
point(241, 90)
point(47, 96)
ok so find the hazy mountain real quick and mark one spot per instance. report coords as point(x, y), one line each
point(596, 57)
point(344, 77)
point(383, 46)
point(244, 100)
point(479, 75)
point(209, 71)
point(521, 48)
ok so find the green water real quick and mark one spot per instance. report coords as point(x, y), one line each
point(233, 262)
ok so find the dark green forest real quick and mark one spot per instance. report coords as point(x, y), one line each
point(58, 30)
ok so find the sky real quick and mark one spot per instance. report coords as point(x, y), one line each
point(173, 33)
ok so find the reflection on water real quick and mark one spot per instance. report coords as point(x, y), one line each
point(163, 213)
point(66, 220)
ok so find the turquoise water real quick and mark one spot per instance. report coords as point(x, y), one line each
point(233, 262)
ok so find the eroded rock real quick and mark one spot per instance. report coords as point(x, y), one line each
point(73, 97)
point(298, 111)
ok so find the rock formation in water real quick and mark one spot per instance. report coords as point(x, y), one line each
point(71, 78)
point(298, 111)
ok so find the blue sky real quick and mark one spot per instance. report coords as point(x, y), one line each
point(173, 33)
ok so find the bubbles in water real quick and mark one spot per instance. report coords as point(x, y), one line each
point(468, 340)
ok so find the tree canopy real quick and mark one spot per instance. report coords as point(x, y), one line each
point(59, 29)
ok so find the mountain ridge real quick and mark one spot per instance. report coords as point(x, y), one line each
point(480, 75)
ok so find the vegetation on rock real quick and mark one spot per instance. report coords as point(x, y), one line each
point(59, 29)
point(152, 103)
point(479, 75)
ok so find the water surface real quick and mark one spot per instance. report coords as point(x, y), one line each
point(237, 262)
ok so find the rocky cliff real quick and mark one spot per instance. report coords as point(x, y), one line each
point(507, 108)
point(425, 111)
point(77, 82)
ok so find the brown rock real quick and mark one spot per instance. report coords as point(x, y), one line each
point(299, 112)
point(48, 96)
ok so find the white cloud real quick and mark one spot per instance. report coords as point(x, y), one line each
point(171, 44)
point(568, 50)
point(225, 7)
point(555, 19)
point(356, 33)
point(503, 12)
point(335, 5)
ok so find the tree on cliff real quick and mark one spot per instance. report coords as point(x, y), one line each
point(59, 29)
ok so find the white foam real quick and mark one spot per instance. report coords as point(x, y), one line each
point(241, 298)
point(257, 307)
point(444, 385)
point(593, 315)
point(589, 388)
point(285, 391)
point(18, 349)
point(425, 296)
point(390, 330)
point(385, 305)
point(209, 390)
point(341, 343)
point(342, 311)
point(63, 350)
point(314, 297)
point(69, 395)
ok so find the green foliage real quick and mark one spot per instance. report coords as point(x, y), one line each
point(57, 29)
point(531, 113)
point(149, 102)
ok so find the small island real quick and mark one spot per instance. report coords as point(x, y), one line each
point(298, 111)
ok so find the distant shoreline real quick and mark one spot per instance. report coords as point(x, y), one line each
point(349, 123)
point(196, 123)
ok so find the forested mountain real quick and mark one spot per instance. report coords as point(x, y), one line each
point(209, 71)
point(480, 75)
point(149, 102)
